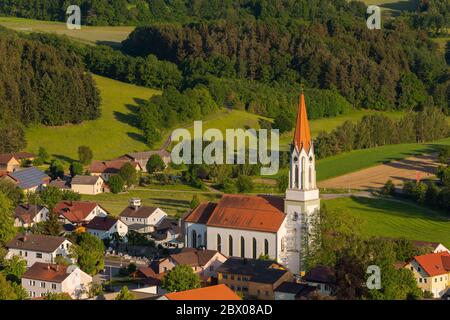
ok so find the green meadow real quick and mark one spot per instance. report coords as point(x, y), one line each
point(90, 35)
point(113, 134)
point(174, 202)
point(389, 218)
point(360, 159)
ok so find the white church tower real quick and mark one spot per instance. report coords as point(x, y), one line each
point(302, 202)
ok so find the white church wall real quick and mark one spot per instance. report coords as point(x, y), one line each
point(248, 237)
point(200, 231)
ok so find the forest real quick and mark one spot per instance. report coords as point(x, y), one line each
point(40, 85)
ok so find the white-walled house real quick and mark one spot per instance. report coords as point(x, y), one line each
point(140, 218)
point(78, 212)
point(38, 248)
point(203, 262)
point(26, 215)
point(43, 278)
point(90, 185)
point(104, 227)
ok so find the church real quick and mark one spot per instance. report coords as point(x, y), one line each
point(252, 226)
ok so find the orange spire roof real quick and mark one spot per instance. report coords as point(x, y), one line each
point(302, 136)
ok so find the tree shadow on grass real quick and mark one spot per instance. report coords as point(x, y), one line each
point(385, 205)
point(131, 118)
point(64, 158)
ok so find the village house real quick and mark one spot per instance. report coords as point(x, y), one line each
point(106, 169)
point(29, 179)
point(291, 290)
point(143, 157)
point(432, 272)
point(253, 278)
point(43, 278)
point(27, 215)
point(218, 292)
point(8, 163)
point(24, 157)
point(90, 185)
point(78, 213)
point(203, 262)
point(38, 248)
point(435, 247)
point(253, 226)
point(105, 227)
point(323, 278)
point(168, 234)
point(140, 218)
point(61, 184)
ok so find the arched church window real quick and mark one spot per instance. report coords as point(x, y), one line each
point(297, 177)
point(199, 241)
point(219, 243)
point(242, 247)
point(266, 247)
point(254, 248)
point(230, 246)
point(194, 239)
point(310, 175)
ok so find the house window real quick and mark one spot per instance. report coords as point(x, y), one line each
point(412, 268)
point(266, 247)
point(435, 279)
point(242, 247)
point(42, 284)
point(39, 255)
point(254, 248)
point(54, 286)
point(420, 280)
point(425, 280)
point(219, 243)
point(230, 246)
point(20, 253)
point(211, 268)
point(26, 253)
point(232, 277)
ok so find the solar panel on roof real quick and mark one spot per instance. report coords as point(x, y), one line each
point(29, 178)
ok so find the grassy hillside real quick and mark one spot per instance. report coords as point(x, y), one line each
point(114, 134)
point(389, 218)
point(91, 35)
point(361, 159)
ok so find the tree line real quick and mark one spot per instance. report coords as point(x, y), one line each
point(393, 69)
point(378, 130)
point(40, 85)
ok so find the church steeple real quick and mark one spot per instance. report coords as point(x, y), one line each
point(302, 175)
point(302, 136)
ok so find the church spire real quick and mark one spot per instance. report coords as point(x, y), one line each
point(302, 136)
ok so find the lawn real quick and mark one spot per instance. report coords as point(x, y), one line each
point(91, 35)
point(175, 203)
point(387, 218)
point(360, 159)
point(114, 134)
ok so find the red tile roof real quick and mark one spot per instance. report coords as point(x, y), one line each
point(219, 292)
point(27, 212)
point(202, 213)
point(75, 211)
point(434, 264)
point(102, 223)
point(5, 158)
point(259, 213)
point(112, 166)
point(302, 135)
point(47, 272)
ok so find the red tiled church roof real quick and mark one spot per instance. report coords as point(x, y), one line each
point(259, 213)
